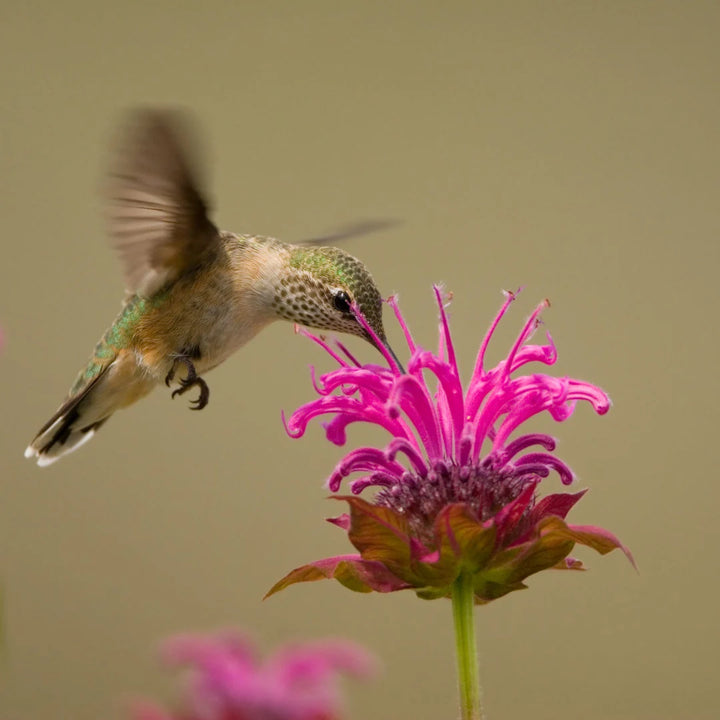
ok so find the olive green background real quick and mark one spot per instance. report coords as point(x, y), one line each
point(569, 147)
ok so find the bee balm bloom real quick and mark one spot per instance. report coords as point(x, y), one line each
point(456, 487)
point(229, 682)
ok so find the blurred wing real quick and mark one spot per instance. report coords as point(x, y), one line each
point(156, 214)
point(365, 227)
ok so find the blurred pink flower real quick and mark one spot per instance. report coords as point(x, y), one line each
point(229, 682)
point(455, 488)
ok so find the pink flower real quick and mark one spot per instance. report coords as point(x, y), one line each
point(229, 682)
point(456, 486)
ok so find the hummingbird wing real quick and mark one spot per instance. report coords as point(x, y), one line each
point(156, 213)
point(363, 227)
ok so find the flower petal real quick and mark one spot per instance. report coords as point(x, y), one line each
point(364, 460)
point(411, 397)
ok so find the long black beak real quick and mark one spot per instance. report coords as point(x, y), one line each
point(392, 354)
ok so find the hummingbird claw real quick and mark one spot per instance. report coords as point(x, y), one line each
point(191, 380)
point(202, 400)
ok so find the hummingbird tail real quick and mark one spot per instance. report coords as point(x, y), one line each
point(68, 429)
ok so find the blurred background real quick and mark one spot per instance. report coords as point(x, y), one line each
point(569, 147)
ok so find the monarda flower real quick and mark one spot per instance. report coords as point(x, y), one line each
point(456, 511)
point(228, 681)
point(457, 485)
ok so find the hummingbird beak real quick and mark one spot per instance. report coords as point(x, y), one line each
point(391, 353)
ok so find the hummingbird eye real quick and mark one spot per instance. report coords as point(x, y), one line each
point(341, 301)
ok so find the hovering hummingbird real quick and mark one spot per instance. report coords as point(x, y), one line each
point(195, 294)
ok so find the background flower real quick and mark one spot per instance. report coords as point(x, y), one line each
point(228, 681)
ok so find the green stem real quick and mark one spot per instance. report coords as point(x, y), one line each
point(466, 648)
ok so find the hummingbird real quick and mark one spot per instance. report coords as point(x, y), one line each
point(195, 294)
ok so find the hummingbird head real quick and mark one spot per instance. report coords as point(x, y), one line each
point(321, 289)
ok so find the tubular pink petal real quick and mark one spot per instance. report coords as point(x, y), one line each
point(550, 350)
point(479, 371)
point(445, 335)
point(446, 424)
point(408, 448)
point(334, 482)
point(333, 404)
point(479, 390)
point(374, 480)
point(532, 395)
point(562, 411)
point(360, 379)
point(525, 441)
point(497, 403)
point(369, 459)
point(410, 396)
point(321, 342)
point(335, 428)
point(363, 460)
point(527, 332)
point(393, 303)
point(545, 354)
point(353, 360)
point(297, 431)
point(465, 444)
point(580, 390)
point(377, 341)
point(319, 388)
point(549, 461)
point(529, 470)
point(452, 395)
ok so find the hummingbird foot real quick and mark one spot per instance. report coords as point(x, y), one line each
point(192, 379)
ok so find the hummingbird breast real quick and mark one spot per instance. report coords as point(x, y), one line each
point(211, 312)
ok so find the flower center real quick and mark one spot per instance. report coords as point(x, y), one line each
point(484, 490)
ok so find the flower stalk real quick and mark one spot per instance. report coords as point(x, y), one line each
point(466, 648)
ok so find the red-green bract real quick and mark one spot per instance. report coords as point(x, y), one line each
point(456, 485)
